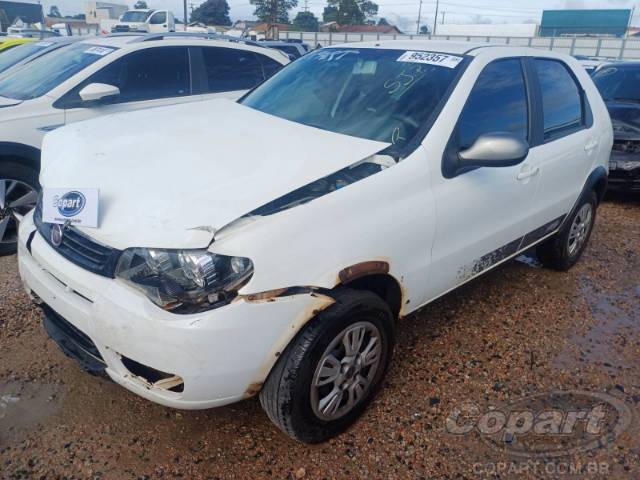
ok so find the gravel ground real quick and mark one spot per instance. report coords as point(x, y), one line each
point(519, 330)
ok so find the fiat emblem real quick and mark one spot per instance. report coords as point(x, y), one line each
point(57, 232)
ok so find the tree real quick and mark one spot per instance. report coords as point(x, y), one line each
point(54, 12)
point(330, 14)
point(306, 22)
point(273, 11)
point(353, 12)
point(424, 30)
point(212, 12)
point(383, 21)
point(141, 5)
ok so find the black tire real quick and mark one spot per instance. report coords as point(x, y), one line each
point(555, 252)
point(27, 175)
point(286, 394)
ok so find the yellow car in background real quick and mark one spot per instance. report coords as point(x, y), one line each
point(9, 42)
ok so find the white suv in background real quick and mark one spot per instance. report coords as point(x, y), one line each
point(110, 74)
point(378, 177)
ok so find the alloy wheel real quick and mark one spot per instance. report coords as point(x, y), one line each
point(16, 199)
point(580, 229)
point(346, 371)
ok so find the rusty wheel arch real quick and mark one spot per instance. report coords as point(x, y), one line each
point(374, 276)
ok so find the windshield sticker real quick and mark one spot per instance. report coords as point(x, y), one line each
point(44, 44)
point(102, 51)
point(367, 67)
point(430, 58)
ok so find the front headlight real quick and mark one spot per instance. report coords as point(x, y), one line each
point(184, 281)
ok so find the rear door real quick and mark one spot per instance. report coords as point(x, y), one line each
point(230, 72)
point(146, 78)
point(483, 213)
point(568, 143)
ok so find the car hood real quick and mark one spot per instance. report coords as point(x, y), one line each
point(170, 177)
point(9, 102)
point(626, 113)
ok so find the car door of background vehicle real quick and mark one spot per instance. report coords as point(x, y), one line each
point(567, 143)
point(146, 78)
point(158, 22)
point(483, 213)
point(231, 72)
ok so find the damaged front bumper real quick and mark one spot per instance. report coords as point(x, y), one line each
point(182, 361)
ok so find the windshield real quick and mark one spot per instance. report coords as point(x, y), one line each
point(135, 17)
point(47, 72)
point(618, 83)
point(384, 95)
point(16, 55)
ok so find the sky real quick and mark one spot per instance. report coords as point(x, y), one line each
point(403, 13)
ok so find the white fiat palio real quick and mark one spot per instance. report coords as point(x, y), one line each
point(271, 252)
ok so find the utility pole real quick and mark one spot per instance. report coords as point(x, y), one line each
point(306, 5)
point(185, 14)
point(435, 19)
point(418, 22)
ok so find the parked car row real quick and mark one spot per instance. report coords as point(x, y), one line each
point(213, 248)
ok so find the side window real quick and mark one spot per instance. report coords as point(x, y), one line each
point(148, 74)
point(158, 18)
point(497, 103)
point(561, 98)
point(269, 65)
point(228, 69)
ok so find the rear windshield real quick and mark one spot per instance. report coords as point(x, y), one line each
point(618, 83)
point(16, 55)
point(135, 17)
point(50, 70)
point(384, 95)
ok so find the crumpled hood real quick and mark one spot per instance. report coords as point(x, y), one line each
point(627, 113)
point(170, 176)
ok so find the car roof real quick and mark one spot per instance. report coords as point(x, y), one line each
point(441, 46)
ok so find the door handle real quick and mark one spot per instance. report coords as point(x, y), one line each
point(527, 174)
point(590, 145)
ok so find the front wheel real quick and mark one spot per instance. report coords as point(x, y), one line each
point(331, 371)
point(563, 250)
point(18, 194)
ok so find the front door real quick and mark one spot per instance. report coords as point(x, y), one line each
point(483, 214)
point(146, 78)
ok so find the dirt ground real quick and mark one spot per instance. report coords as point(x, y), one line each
point(520, 330)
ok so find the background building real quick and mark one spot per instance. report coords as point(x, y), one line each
point(558, 23)
point(488, 29)
point(27, 12)
point(97, 11)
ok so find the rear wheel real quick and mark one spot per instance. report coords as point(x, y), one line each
point(331, 371)
point(563, 250)
point(18, 194)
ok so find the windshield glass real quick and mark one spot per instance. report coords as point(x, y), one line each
point(135, 17)
point(15, 55)
point(384, 95)
point(47, 72)
point(618, 83)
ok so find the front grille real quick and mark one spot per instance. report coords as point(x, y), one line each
point(79, 248)
point(626, 146)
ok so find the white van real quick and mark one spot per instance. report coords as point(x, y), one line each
point(146, 21)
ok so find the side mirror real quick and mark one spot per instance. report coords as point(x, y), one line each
point(98, 91)
point(499, 149)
